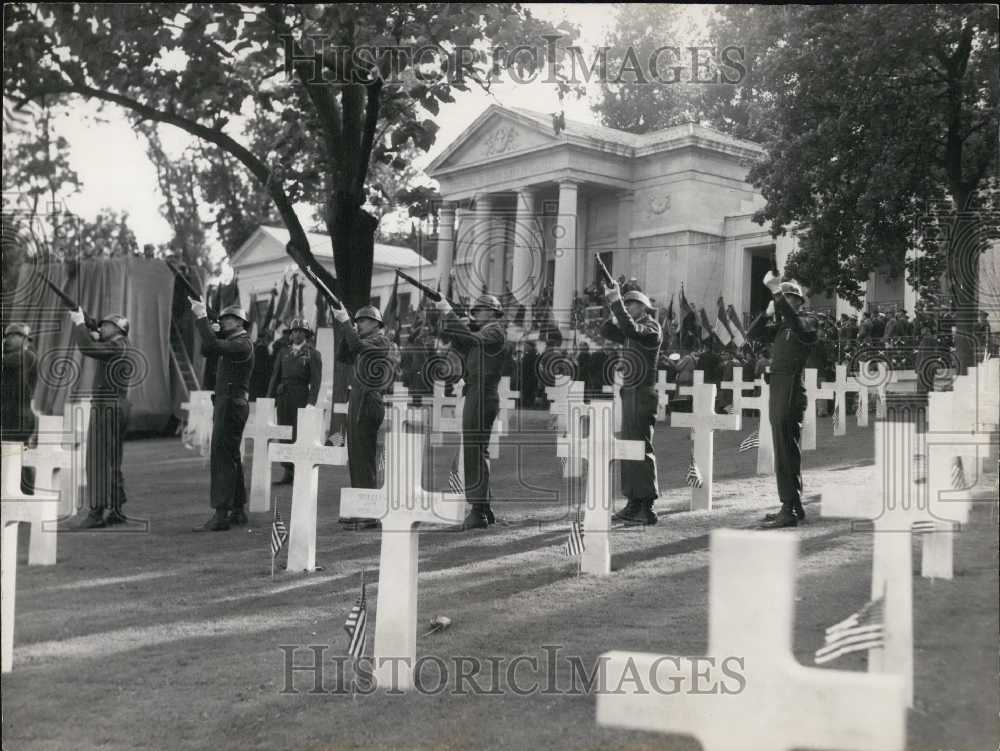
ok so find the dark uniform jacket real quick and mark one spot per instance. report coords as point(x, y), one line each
point(115, 372)
point(235, 360)
point(484, 351)
point(641, 339)
point(792, 336)
point(17, 385)
point(372, 360)
point(302, 369)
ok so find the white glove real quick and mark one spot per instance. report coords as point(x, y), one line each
point(443, 305)
point(341, 315)
point(772, 282)
point(216, 328)
point(76, 316)
point(613, 293)
point(770, 308)
point(199, 308)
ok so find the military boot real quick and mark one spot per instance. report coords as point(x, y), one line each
point(632, 513)
point(218, 523)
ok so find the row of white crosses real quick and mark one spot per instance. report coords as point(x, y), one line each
point(703, 422)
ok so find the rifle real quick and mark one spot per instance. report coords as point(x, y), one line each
point(70, 303)
point(331, 298)
point(430, 293)
point(608, 279)
point(192, 292)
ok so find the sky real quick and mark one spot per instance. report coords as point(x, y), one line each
point(116, 173)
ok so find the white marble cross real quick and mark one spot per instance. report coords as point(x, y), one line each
point(841, 386)
point(615, 389)
point(969, 412)
point(599, 447)
point(307, 453)
point(198, 431)
point(261, 431)
point(894, 497)
point(749, 691)
point(399, 394)
point(53, 460)
point(16, 508)
point(698, 379)
point(508, 397)
point(879, 382)
point(663, 389)
point(703, 423)
point(564, 392)
point(765, 443)
point(813, 393)
point(76, 419)
point(440, 423)
point(400, 505)
point(737, 385)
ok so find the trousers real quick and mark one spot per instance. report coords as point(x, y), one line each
point(478, 416)
point(364, 418)
point(787, 408)
point(639, 481)
point(105, 488)
point(228, 489)
point(293, 397)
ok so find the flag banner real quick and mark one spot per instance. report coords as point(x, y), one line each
point(281, 308)
point(693, 477)
point(337, 440)
point(924, 527)
point(279, 533)
point(736, 327)
point(454, 478)
point(858, 632)
point(958, 474)
point(19, 119)
point(721, 325)
point(752, 441)
point(355, 626)
point(574, 545)
point(706, 327)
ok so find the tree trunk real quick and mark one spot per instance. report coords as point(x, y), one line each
point(352, 230)
point(964, 250)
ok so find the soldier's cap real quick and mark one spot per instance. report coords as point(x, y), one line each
point(370, 312)
point(792, 287)
point(18, 328)
point(637, 296)
point(300, 324)
point(489, 302)
point(119, 321)
point(236, 312)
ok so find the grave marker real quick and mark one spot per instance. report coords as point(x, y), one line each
point(813, 393)
point(703, 422)
point(663, 390)
point(765, 437)
point(841, 386)
point(261, 431)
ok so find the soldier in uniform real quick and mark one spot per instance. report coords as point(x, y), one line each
point(791, 339)
point(108, 417)
point(366, 347)
point(632, 326)
point(295, 381)
point(483, 343)
point(231, 409)
point(17, 385)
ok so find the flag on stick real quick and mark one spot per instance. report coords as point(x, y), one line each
point(752, 441)
point(721, 328)
point(836, 416)
point(454, 479)
point(706, 327)
point(574, 545)
point(356, 623)
point(693, 477)
point(860, 631)
point(958, 474)
point(19, 119)
point(279, 534)
point(735, 327)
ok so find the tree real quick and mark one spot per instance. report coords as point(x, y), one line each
point(353, 97)
point(882, 116)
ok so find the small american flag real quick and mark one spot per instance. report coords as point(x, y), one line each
point(454, 478)
point(728, 409)
point(693, 477)
point(574, 545)
point(752, 441)
point(836, 417)
point(958, 474)
point(923, 527)
point(356, 623)
point(279, 533)
point(861, 631)
point(380, 459)
point(337, 440)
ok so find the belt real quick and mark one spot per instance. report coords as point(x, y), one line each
point(234, 394)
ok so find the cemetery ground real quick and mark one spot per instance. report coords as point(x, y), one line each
point(167, 638)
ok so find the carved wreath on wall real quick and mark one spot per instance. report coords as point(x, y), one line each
point(501, 140)
point(659, 204)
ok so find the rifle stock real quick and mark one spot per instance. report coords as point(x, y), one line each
point(70, 303)
point(608, 279)
point(431, 294)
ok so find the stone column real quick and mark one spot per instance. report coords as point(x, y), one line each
point(479, 236)
point(446, 242)
point(529, 256)
point(566, 256)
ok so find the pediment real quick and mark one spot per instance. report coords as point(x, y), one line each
point(497, 134)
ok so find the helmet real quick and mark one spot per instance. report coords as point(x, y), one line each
point(120, 321)
point(792, 288)
point(637, 296)
point(369, 311)
point(18, 328)
point(300, 324)
point(236, 311)
point(490, 302)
